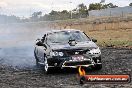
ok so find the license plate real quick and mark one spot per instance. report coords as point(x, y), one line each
point(77, 58)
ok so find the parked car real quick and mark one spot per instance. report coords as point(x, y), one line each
point(68, 48)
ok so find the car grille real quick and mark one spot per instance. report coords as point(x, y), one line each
point(74, 52)
point(75, 63)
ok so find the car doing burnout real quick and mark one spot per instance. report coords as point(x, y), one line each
point(67, 48)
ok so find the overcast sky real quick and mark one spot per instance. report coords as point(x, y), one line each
point(26, 7)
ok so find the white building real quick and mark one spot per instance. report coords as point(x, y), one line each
point(118, 11)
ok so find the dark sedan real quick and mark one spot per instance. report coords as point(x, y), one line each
point(67, 48)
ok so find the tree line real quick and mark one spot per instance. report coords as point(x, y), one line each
point(81, 11)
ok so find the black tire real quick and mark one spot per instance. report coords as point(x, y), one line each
point(36, 58)
point(97, 66)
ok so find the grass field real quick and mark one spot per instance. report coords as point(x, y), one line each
point(118, 38)
point(109, 31)
point(112, 34)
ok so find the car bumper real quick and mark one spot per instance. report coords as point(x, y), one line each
point(75, 64)
point(65, 62)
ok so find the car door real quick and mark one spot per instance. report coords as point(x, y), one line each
point(41, 50)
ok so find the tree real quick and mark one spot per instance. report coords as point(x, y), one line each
point(130, 4)
point(64, 12)
point(83, 11)
point(110, 5)
point(58, 15)
point(82, 7)
point(53, 12)
point(96, 6)
point(36, 14)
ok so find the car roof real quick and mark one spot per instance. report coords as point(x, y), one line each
point(63, 30)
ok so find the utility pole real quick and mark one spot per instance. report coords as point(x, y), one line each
point(0, 10)
point(52, 4)
point(30, 14)
point(71, 9)
point(52, 17)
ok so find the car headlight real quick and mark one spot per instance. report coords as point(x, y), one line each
point(55, 53)
point(61, 53)
point(94, 51)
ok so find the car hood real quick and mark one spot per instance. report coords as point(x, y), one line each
point(79, 45)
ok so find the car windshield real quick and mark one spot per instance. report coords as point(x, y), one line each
point(65, 36)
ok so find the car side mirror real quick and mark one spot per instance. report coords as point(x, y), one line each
point(94, 40)
point(38, 39)
point(39, 43)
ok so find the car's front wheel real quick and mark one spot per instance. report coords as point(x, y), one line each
point(47, 69)
point(98, 66)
